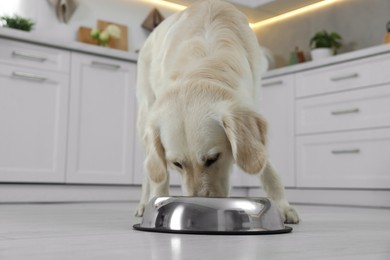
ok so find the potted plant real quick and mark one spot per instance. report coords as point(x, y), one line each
point(324, 44)
point(17, 22)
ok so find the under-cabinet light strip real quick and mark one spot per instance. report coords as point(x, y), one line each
point(168, 4)
point(295, 12)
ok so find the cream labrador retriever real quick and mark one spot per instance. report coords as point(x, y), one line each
point(197, 76)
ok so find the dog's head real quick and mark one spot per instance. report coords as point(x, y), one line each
point(199, 133)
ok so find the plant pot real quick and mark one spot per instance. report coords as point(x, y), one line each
point(320, 53)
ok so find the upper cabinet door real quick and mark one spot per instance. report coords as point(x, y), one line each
point(101, 129)
point(33, 123)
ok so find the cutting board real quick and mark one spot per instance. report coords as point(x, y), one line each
point(122, 42)
point(84, 35)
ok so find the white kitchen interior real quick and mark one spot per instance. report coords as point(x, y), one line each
point(71, 164)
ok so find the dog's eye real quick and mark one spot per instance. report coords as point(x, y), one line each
point(210, 161)
point(178, 165)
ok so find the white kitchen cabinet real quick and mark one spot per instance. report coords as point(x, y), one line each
point(238, 178)
point(139, 157)
point(343, 77)
point(277, 106)
point(358, 159)
point(102, 120)
point(33, 123)
point(333, 105)
point(355, 109)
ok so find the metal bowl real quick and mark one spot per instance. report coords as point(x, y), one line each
point(199, 215)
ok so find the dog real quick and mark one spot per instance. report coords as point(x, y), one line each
point(197, 77)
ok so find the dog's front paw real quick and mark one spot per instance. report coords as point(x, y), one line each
point(289, 214)
point(140, 210)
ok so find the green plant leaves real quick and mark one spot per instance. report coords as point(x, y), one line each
point(323, 39)
point(17, 22)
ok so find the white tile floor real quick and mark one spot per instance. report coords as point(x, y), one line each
point(103, 231)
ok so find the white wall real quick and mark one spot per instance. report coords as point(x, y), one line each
point(128, 12)
point(361, 23)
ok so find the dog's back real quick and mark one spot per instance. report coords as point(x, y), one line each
point(210, 40)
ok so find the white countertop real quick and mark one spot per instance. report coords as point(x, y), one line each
point(353, 55)
point(72, 45)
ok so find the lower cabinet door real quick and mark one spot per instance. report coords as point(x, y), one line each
point(139, 157)
point(33, 123)
point(276, 104)
point(102, 125)
point(359, 159)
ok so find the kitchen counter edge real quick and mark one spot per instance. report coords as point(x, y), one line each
point(72, 45)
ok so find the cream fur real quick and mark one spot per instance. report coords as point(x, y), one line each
point(197, 76)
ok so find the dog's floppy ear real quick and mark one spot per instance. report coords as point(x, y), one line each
point(246, 131)
point(155, 163)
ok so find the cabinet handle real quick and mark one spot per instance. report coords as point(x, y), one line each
point(105, 65)
point(28, 76)
point(28, 56)
point(344, 77)
point(346, 151)
point(273, 83)
point(346, 111)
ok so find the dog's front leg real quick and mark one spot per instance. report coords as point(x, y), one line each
point(151, 189)
point(144, 197)
point(156, 180)
point(274, 188)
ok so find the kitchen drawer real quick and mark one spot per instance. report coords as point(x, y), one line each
point(34, 56)
point(344, 160)
point(349, 75)
point(21, 74)
point(363, 108)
